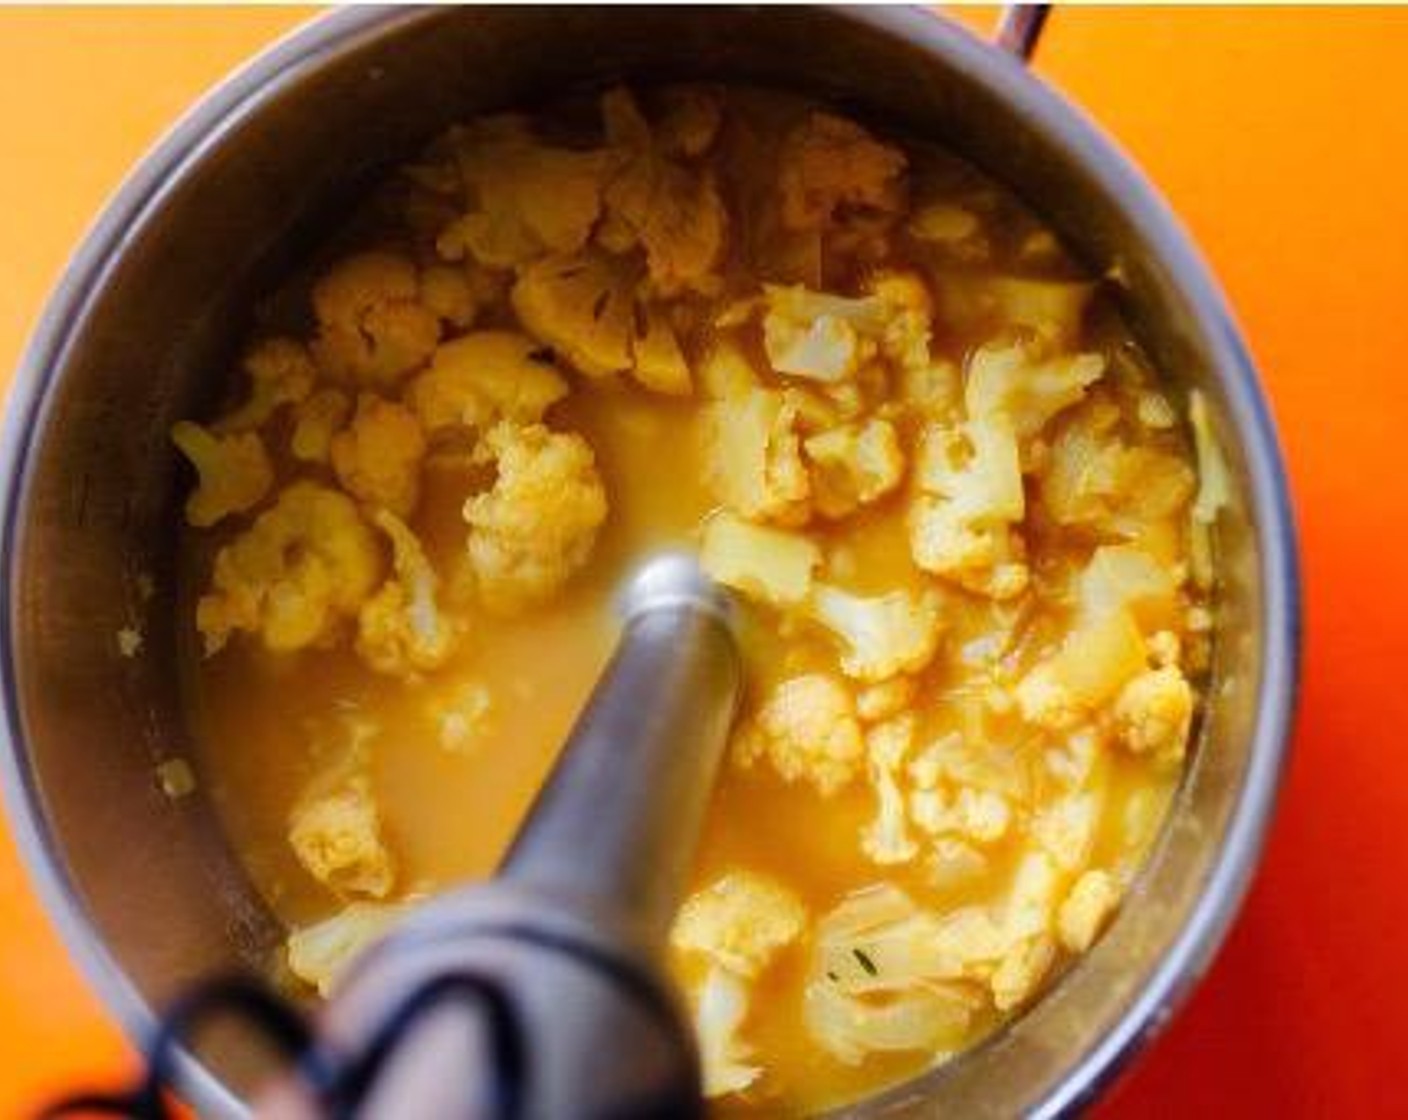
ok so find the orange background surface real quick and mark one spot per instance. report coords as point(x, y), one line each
point(1279, 136)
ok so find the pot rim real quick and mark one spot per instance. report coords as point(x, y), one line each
point(141, 197)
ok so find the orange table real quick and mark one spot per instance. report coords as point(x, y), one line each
point(1279, 137)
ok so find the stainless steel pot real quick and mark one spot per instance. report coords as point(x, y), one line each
point(143, 323)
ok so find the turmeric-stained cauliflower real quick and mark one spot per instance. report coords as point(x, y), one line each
point(316, 421)
point(400, 629)
point(235, 472)
point(1153, 713)
point(753, 460)
point(807, 730)
point(581, 305)
point(883, 636)
point(525, 198)
point(336, 836)
point(830, 165)
point(853, 465)
point(537, 526)
point(763, 563)
point(305, 566)
point(737, 925)
point(484, 377)
point(887, 839)
point(280, 372)
point(321, 953)
point(378, 456)
point(372, 327)
point(673, 211)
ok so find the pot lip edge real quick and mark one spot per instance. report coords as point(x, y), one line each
point(1181, 967)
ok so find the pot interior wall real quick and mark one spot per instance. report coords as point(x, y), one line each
point(153, 339)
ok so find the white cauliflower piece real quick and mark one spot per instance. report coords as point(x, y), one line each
point(886, 839)
point(720, 1010)
point(969, 498)
point(1153, 714)
point(1086, 909)
point(741, 921)
point(372, 327)
point(481, 378)
point(280, 372)
point(882, 636)
point(831, 166)
point(401, 630)
point(1012, 381)
point(807, 730)
point(316, 421)
point(526, 198)
point(820, 336)
point(336, 836)
point(1089, 668)
point(766, 564)
point(753, 460)
point(853, 465)
point(378, 456)
point(304, 566)
point(537, 526)
point(672, 211)
point(320, 954)
point(1065, 828)
point(234, 472)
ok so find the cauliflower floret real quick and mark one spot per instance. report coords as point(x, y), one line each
point(1090, 667)
point(465, 718)
point(658, 363)
point(527, 198)
point(690, 120)
point(726, 371)
point(885, 699)
point(1153, 713)
point(768, 564)
point(1066, 829)
point(451, 295)
point(807, 730)
point(1086, 909)
point(853, 465)
point(537, 526)
point(303, 567)
point(976, 815)
point(820, 336)
point(1049, 311)
point(316, 421)
point(400, 629)
point(829, 165)
point(970, 496)
point(482, 378)
point(1021, 970)
point(753, 456)
point(372, 327)
point(235, 472)
point(740, 922)
point(674, 212)
point(1028, 391)
point(882, 636)
point(582, 306)
point(720, 1009)
point(280, 372)
point(320, 954)
point(886, 838)
point(336, 836)
point(378, 456)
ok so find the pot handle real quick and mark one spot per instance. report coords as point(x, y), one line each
point(1019, 28)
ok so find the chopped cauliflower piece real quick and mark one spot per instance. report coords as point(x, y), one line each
point(1028, 391)
point(320, 954)
point(753, 456)
point(726, 371)
point(1086, 909)
point(658, 362)
point(720, 1008)
point(372, 327)
point(882, 636)
point(886, 838)
point(465, 718)
point(853, 465)
point(582, 306)
point(970, 495)
point(378, 456)
point(451, 295)
point(887, 698)
point(537, 526)
point(1214, 480)
point(1091, 666)
point(235, 472)
point(527, 198)
point(1065, 829)
point(767, 564)
point(337, 838)
point(1154, 712)
point(741, 921)
point(671, 210)
point(303, 567)
point(1049, 311)
point(1021, 970)
point(808, 731)
point(830, 165)
point(817, 335)
point(316, 421)
point(481, 378)
point(401, 630)
point(280, 372)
